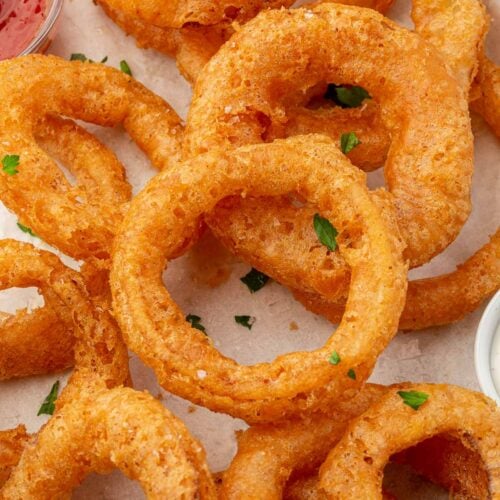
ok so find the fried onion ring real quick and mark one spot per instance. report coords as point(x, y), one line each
point(192, 46)
point(269, 454)
point(100, 353)
point(182, 357)
point(178, 13)
point(79, 220)
point(275, 462)
point(434, 301)
point(428, 170)
point(113, 428)
point(354, 467)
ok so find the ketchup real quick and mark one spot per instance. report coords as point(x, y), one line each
point(20, 21)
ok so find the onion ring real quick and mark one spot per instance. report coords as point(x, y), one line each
point(113, 428)
point(354, 467)
point(91, 92)
point(295, 382)
point(100, 354)
point(234, 106)
point(176, 14)
point(281, 461)
point(192, 46)
point(269, 454)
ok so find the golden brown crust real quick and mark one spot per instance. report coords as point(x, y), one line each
point(269, 454)
point(193, 368)
point(434, 301)
point(243, 89)
point(354, 468)
point(12, 444)
point(106, 429)
point(80, 220)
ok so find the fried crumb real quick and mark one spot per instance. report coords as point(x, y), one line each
point(293, 326)
point(191, 409)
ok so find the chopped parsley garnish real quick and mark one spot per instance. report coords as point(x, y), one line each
point(334, 358)
point(125, 68)
point(413, 399)
point(84, 58)
point(255, 280)
point(26, 229)
point(351, 374)
point(195, 322)
point(78, 57)
point(10, 164)
point(348, 142)
point(346, 96)
point(246, 321)
point(48, 406)
point(327, 234)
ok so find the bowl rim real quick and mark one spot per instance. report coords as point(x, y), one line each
point(486, 332)
point(45, 28)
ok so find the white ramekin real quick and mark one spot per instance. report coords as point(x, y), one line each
point(485, 336)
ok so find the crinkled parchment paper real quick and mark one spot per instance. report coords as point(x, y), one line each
point(438, 355)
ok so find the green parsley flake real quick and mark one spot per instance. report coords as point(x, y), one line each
point(78, 57)
point(10, 164)
point(351, 374)
point(413, 399)
point(84, 58)
point(334, 358)
point(255, 280)
point(246, 321)
point(348, 142)
point(195, 322)
point(48, 406)
point(125, 68)
point(348, 97)
point(26, 230)
point(327, 234)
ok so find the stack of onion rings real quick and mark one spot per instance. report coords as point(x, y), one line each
point(355, 440)
point(88, 410)
point(428, 170)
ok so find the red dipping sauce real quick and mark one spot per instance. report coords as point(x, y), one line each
point(20, 21)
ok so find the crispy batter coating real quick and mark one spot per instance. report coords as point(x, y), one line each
point(246, 87)
point(100, 354)
point(487, 103)
point(177, 13)
point(354, 467)
point(80, 220)
point(281, 461)
point(268, 455)
point(117, 428)
point(457, 30)
point(185, 362)
point(434, 301)
point(34, 343)
point(193, 45)
point(12, 444)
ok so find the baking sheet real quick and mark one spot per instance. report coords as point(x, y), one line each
point(439, 355)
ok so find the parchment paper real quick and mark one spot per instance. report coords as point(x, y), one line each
point(437, 355)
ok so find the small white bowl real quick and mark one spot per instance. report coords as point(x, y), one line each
point(483, 351)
